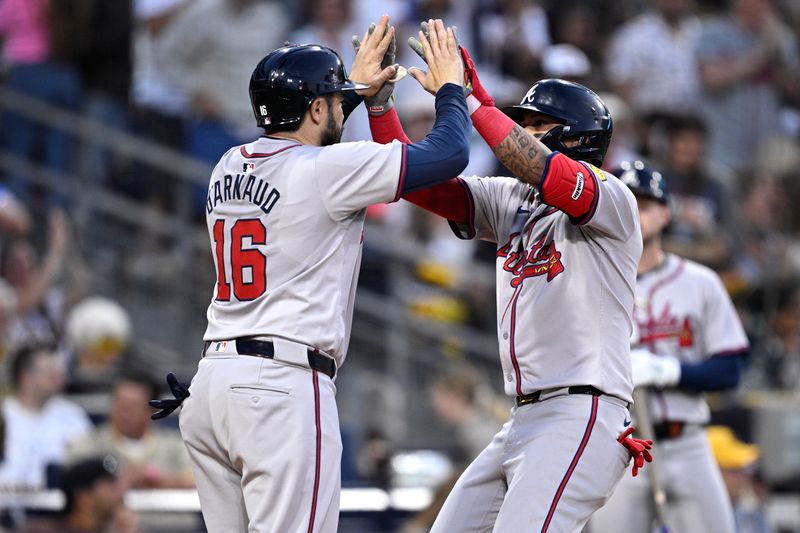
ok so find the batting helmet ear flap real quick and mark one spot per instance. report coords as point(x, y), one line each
point(591, 146)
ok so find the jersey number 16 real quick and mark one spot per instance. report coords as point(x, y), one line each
point(241, 261)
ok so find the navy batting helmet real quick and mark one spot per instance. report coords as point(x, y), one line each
point(286, 81)
point(643, 181)
point(585, 118)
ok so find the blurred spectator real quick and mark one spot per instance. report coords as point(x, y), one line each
point(98, 331)
point(93, 501)
point(624, 143)
point(456, 399)
point(15, 220)
point(105, 63)
point(703, 220)
point(213, 67)
point(159, 106)
point(738, 461)
point(39, 422)
point(777, 365)
point(566, 61)
point(651, 59)
point(766, 253)
point(514, 37)
point(458, 13)
point(331, 23)
point(40, 304)
point(746, 58)
point(150, 458)
point(40, 38)
point(576, 23)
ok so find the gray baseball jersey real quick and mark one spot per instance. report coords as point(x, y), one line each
point(564, 287)
point(682, 310)
point(286, 225)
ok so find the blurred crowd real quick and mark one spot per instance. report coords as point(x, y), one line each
point(707, 91)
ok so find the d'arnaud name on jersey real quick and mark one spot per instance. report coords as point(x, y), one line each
point(242, 187)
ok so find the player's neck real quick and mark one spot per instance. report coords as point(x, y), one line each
point(303, 135)
point(292, 136)
point(652, 257)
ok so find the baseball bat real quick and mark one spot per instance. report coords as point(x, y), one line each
point(644, 426)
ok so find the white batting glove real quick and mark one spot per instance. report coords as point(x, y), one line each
point(654, 370)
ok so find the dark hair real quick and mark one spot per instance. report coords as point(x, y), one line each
point(84, 475)
point(24, 357)
point(687, 123)
point(141, 379)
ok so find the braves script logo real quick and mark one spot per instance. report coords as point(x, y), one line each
point(542, 259)
point(667, 326)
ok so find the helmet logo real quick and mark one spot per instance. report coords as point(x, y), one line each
point(529, 95)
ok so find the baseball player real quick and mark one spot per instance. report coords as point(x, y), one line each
point(690, 341)
point(285, 217)
point(568, 243)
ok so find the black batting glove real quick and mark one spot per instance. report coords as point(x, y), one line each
point(165, 407)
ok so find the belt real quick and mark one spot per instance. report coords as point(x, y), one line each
point(534, 397)
point(265, 349)
point(669, 429)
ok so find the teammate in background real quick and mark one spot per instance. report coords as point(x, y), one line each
point(690, 342)
point(286, 216)
point(568, 243)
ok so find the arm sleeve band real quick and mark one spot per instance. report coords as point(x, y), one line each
point(567, 185)
point(492, 124)
point(351, 101)
point(719, 372)
point(387, 128)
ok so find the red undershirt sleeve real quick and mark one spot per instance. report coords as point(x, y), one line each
point(449, 199)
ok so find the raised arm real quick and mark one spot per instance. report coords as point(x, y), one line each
point(522, 153)
point(445, 150)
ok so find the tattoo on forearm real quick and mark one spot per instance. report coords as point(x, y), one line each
point(523, 154)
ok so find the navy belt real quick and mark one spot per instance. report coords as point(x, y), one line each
point(265, 349)
point(534, 397)
point(669, 429)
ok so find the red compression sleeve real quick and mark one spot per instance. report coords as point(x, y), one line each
point(387, 128)
point(449, 200)
point(568, 185)
point(492, 124)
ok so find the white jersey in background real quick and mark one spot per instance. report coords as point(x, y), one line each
point(286, 225)
point(682, 310)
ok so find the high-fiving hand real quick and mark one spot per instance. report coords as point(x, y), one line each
point(437, 45)
point(374, 64)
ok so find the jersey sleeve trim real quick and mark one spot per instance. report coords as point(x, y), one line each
point(402, 177)
point(256, 155)
point(465, 231)
point(585, 219)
